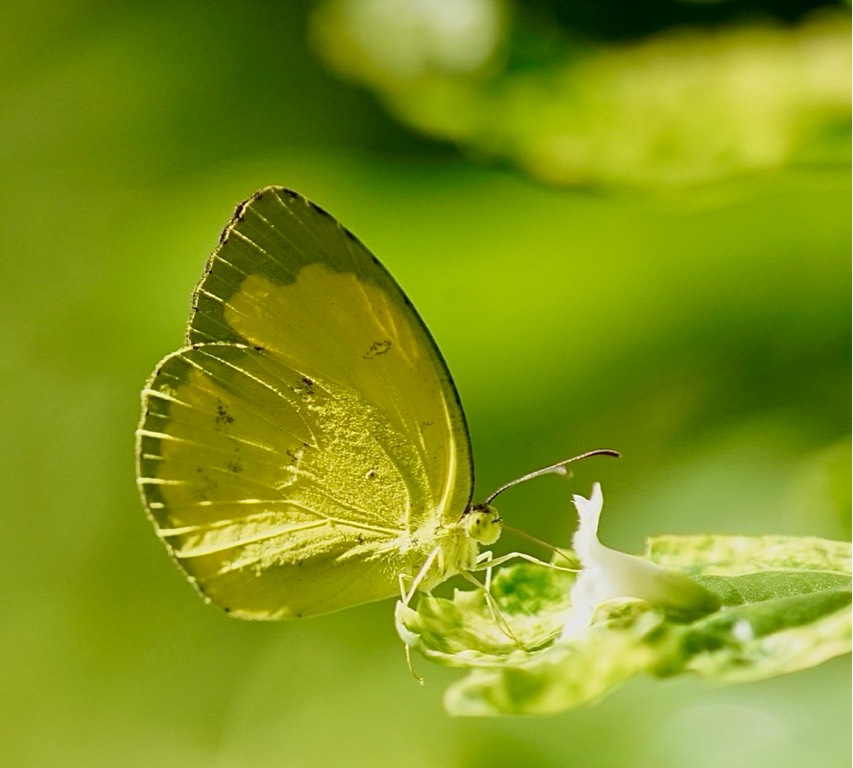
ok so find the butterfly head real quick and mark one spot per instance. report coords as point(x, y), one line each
point(482, 523)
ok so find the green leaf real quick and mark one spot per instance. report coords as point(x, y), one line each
point(463, 632)
point(785, 606)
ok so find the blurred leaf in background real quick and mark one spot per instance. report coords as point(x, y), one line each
point(702, 329)
point(679, 106)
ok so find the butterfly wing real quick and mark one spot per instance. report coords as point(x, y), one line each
point(308, 445)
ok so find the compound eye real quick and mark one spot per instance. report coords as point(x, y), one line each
point(483, 524)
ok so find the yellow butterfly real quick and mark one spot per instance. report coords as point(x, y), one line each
point(306, 450)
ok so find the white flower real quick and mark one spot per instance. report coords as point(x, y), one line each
point(607, 573)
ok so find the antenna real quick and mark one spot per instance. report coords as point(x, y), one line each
point(556, 469)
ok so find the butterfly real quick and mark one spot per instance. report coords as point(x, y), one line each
point(306, 450)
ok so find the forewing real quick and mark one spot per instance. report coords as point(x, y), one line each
point(289, 278)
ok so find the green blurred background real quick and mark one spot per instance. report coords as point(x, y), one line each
point(627, 225)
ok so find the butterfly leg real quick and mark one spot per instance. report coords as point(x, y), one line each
point(494, 608)
point(485, 564)
point(407, 593)
point(405, 597)
point(485, 557)
point(408, 651)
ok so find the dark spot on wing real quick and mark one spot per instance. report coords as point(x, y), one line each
point(234, 466)
point(377, 348)
point(307, 386)
point(371, 473)
point(207, 486)
point(296, 455)
point(222, 415)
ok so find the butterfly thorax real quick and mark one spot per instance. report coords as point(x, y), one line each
point(456, 546)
